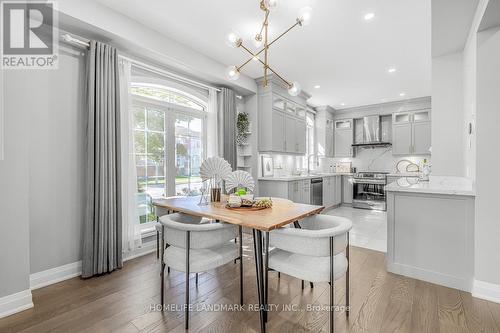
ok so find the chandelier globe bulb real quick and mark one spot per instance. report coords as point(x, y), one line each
point(232, 73)
point(294, 89)
point(305, 16)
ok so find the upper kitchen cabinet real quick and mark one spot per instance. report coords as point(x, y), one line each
point(282, 120)
point(411, 133)
point(343, 138)
point(324, 131)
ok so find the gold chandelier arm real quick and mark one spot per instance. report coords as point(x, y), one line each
point(254, 56)
point(274, 40)
point(266, 19)
point(246, 62)
point(286, 31)
point(279, 76)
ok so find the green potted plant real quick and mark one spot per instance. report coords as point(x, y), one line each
point(242, 127)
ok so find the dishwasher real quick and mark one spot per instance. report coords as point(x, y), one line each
point(317, 191)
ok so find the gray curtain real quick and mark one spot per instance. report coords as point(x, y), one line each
point(228, 105)
point(102, 238)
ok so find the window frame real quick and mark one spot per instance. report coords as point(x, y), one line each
point(170, 110)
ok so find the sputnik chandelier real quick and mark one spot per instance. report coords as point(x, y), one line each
point(261, 39)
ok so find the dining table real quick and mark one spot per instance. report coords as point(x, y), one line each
point(282, 213)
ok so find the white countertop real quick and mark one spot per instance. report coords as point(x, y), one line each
point(303, 177)
point(435, 185)
point(404, 174)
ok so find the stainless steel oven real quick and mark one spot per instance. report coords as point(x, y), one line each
point(368, 190)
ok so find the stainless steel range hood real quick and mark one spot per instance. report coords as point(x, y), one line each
point(372, 133)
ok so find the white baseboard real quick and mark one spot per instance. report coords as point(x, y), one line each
point(56, 274)
point(15, 303)
point(441, 279)
point(65, 272)
point(146, 248)
point(485, 290)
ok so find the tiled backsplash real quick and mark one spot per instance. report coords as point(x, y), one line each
point(376, 159)
point(284, 165)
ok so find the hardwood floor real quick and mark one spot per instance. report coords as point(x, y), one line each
point(125, 301)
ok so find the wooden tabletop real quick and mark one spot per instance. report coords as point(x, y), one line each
point(282, 213)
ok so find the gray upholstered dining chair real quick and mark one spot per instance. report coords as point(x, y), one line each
point(159, 212)
point(314, 252)
point(196, 245)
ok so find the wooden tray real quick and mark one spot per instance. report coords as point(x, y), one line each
point(248, 209)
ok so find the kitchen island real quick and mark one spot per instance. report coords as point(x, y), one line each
point(430, 230)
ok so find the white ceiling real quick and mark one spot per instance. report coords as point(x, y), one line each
point(451, 23)
point(340, 51)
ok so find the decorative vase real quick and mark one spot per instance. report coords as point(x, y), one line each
point(215, 195)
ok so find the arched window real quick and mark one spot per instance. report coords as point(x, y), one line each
point(169, 142)
point(168, 95)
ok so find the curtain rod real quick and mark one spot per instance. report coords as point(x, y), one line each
point(70, 39)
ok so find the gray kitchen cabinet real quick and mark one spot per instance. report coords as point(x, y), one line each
point(278, 133)
point(306, 191)
point(411, 133)
point(281, 123)
point(421, 138)
point(275, 188)
point(328, 191)
point(290, 136)
point(332, 191)
point(347, 189)
point(296, 190)
point(300, 191)
point(402, 139)
point(337, 192)
point(343, 138)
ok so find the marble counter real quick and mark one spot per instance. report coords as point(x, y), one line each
point(404, 174)
point(303, 177)
point(435, 185)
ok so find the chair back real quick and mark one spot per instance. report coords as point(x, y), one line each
point(313, 238)
point(204, 233)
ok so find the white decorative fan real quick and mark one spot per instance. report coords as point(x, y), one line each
point(215, 169)
point(239, 178)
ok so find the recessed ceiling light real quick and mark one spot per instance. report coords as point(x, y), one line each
point(369, 16)
point(391, 70)
point(317, 86)
point(342, 104)
point(402, 94)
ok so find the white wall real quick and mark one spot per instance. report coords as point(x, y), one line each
point(447, 116)
point(487, 230)
point(469, 107)
point(14, 184)
point(56, 160)
point(470, 91)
